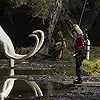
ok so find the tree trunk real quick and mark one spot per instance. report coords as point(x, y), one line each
point(53, 18)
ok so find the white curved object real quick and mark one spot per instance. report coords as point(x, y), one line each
point(9, 83)
point(35, 87)
point(42, 38)
point(7, 87)
point(8, 48)
point(31, 53)
point(38, 45)
point(40, 42)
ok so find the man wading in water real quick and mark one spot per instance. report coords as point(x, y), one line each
point(79, 49)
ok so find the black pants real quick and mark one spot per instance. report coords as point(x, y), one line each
point(78, 60)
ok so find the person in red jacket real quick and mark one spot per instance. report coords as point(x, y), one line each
point(79, 50)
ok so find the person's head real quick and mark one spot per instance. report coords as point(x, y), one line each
point(76, 31)
point(75, 34)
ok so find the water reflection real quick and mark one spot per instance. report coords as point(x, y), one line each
point(52, 87)
point(24, 88)
point(7, 84)
point(35, 88)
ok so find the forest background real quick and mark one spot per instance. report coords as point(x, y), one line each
point(20, 17)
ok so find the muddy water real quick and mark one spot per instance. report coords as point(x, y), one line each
point(49, 76)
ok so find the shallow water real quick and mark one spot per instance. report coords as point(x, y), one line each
point(49, 76)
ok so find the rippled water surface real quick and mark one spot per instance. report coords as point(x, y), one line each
point(49, 75)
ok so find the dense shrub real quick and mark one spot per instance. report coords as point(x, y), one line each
point(91, 67)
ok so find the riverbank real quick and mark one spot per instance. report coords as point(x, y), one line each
point(53, 87)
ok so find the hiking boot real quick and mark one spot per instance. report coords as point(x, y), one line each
point(77, 81)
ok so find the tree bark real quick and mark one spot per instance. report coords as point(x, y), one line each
point(53, 18)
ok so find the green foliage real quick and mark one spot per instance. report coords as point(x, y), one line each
point(41, 6)
point(17, 3)
point(91, 67)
